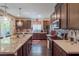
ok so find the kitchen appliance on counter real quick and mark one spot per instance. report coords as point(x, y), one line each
point(73, 36)
point(53, 35)
point(60, 33)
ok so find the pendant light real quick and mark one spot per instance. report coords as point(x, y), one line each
point(5, 12)
point(19, 23)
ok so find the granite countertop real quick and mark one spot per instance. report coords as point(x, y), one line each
point(40, 32)
point(67, 46)
point(10, 45)
point(31, 32)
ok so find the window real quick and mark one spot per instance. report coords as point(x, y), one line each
point(4, 27)
point(37, 27)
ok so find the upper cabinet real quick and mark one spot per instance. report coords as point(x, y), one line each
point(68, 14)
point(27, 24)
point(73, 15)
point(53, 17)
point(58, 13)
point(46, 25)
point(63, 16)
point(23, 25)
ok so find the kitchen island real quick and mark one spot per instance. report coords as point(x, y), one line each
point(39, 36)
point(15, 46)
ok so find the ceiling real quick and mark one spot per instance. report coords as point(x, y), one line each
point(30, 10)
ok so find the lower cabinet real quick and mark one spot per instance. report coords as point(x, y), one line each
point(39, 36)
point(25, 49)
point(57, 51)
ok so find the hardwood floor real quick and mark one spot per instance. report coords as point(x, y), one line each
point(39, 48)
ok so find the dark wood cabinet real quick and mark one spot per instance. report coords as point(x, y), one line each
point(73, 15)
point(68, 13)
point(26, 25)
point(57, 51)
point(46, 25)
point(25, 49)
point(58, 11)
point(39, 36)
point(60, 50)
point(63, 16)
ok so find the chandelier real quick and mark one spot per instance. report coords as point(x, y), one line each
point(19, 23)
point(5, 12)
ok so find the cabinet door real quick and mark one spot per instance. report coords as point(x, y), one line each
point(27, 47)
point(58, 13)
point(73, 13)
point(46, 26)
point(27, 24)
point(64, 16)
point(53, 17)
point(58, 16)
point(57, 51)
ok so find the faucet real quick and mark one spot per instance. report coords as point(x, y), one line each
point(1, 37)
